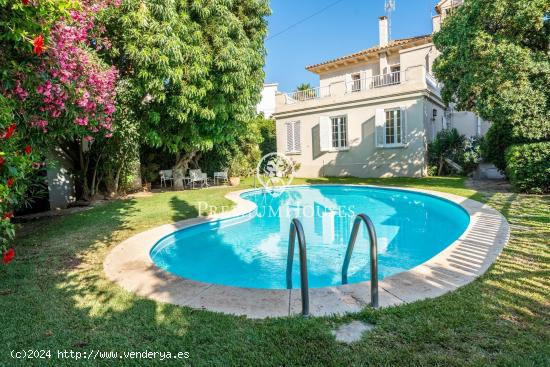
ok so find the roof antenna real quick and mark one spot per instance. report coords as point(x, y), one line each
point(390, 7)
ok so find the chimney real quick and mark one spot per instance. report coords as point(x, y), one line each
point(383, 30)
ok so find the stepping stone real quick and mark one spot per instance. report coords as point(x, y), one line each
point(352, 332)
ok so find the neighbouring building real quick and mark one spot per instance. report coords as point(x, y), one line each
point(267, 103)
point(374, 112)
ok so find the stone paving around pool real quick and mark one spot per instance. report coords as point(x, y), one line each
point(130, 266)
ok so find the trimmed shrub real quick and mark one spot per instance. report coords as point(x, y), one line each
point(498, 138)
point(528, 167)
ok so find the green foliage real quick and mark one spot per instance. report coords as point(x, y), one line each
point(497, 140)
point(240, 166)
point(471, 154)
point(494, 61)
point(432, 170)
point(447, 144)
point(528, 167)
point(450, 144)
point(304, 86)
point(121, 151)
point(195, 68)
point(239, 156)
point(268, 134)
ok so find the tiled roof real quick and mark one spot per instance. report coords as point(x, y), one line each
point(375, 49)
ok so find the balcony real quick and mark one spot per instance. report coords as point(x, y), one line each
point(307, 95)
point(413, 79)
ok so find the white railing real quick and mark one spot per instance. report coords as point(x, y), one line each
point(357, 85)
point(376, 81)
point(307, 95)
point(386, 79)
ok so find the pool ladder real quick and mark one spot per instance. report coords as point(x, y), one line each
point(373, 256)
point(296, 229)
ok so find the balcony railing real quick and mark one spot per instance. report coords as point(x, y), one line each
point(376, 81)
point(307, 95)
point(353, 86)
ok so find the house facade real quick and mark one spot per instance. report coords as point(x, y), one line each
point(374, 112)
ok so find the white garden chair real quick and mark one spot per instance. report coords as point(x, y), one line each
point(221, 176)
point(166, 176)
point(197, 176)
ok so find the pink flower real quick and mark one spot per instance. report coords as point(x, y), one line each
point(82, 121)
point(19, 91)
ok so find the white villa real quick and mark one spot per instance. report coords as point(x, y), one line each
point(374, 111)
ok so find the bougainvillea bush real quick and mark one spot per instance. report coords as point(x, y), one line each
point(53, 87)
point(15, 166)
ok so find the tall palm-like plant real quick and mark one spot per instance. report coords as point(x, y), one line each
point(301, 93)
point(304, 86)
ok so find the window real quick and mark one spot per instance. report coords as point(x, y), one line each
point(293, 144)
point(339, 132)
point(356, 82)
point(393, 127)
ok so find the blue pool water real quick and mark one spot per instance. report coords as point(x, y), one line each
point(251, 250)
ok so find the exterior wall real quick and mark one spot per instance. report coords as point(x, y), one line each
point(60, 181)
point(469, 124)
point(339, 76)
point(367, 69)
point(267, 103)
point(434, 124)
point(362, 158)
point(444, 7)
point(422, 55)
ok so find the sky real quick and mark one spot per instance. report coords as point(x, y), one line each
point(347, 26)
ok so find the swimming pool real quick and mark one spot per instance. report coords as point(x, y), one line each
point(251, 250)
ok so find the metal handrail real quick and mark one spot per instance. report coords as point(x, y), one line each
point(373, 256)
point(297, 229)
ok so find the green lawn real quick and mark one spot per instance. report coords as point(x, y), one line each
point(55, 296)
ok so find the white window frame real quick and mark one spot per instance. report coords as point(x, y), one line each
point(356, 82)
point(397, 127)
point(342, 143)
point(295, 134)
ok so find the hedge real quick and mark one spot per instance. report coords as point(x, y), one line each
point(528, 167)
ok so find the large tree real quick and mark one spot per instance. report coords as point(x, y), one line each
point(494, 61)
point(195, 68)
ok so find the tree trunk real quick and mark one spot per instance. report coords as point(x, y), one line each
point(95, 181)
point(84, 161)
point(441, 165)
point(195, 161)
point(182, 164)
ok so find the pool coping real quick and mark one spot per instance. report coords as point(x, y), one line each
point(130, 266)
